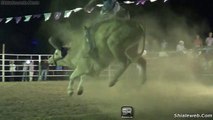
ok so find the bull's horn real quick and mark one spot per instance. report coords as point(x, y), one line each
point(54, 43)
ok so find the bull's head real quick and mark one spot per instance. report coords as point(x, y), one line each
point(55, 58)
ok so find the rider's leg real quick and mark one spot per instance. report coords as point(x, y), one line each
point(104, 14)
point(88, 38)
point(91, 42)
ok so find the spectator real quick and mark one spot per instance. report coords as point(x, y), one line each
point(25, 70)
point(209, 43)
point(12, 70)
point(209, 40)
point(31, 70)
point(180, 47)
point(163, 52)
point(164, 45)
point(44, 70)
point(209, 51)
point(197, 42)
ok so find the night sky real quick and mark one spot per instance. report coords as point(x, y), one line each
point(26, 37)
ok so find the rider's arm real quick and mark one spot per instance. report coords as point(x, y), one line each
point(90, 6)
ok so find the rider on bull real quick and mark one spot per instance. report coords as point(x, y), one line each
point(110, 8)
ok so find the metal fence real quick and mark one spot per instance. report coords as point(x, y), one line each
point(7, 74)
point(54, 72)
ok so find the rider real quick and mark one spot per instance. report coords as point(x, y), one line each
point(109, 9)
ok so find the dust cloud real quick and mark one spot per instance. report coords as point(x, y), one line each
point(165, 24)
point(172, 86)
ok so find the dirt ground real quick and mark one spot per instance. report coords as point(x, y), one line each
point(168, 91)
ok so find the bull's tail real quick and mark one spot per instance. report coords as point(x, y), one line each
point(139, 52)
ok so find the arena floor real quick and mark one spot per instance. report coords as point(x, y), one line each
point(153, 101)
point(167, 92)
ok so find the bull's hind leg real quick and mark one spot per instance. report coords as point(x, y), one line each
point(119, 55)
point(142, 64)
point(119, 72)
point(80, 88)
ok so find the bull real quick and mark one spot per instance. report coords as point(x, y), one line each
point(116, 40)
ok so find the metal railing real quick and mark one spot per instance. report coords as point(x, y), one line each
point(20, 59)
point(53, 72)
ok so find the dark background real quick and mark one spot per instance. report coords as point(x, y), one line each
point(26, 37)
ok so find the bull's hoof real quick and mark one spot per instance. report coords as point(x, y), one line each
point(112, 83)
point(80, 91)
point(70, 92)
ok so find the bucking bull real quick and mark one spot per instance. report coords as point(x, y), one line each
point(117, 40)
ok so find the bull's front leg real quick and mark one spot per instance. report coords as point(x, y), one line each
point(80, 88)
point(75, 75)
point(70, 89)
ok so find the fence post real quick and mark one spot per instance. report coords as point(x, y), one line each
point(3, 63)
point(39, 66)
